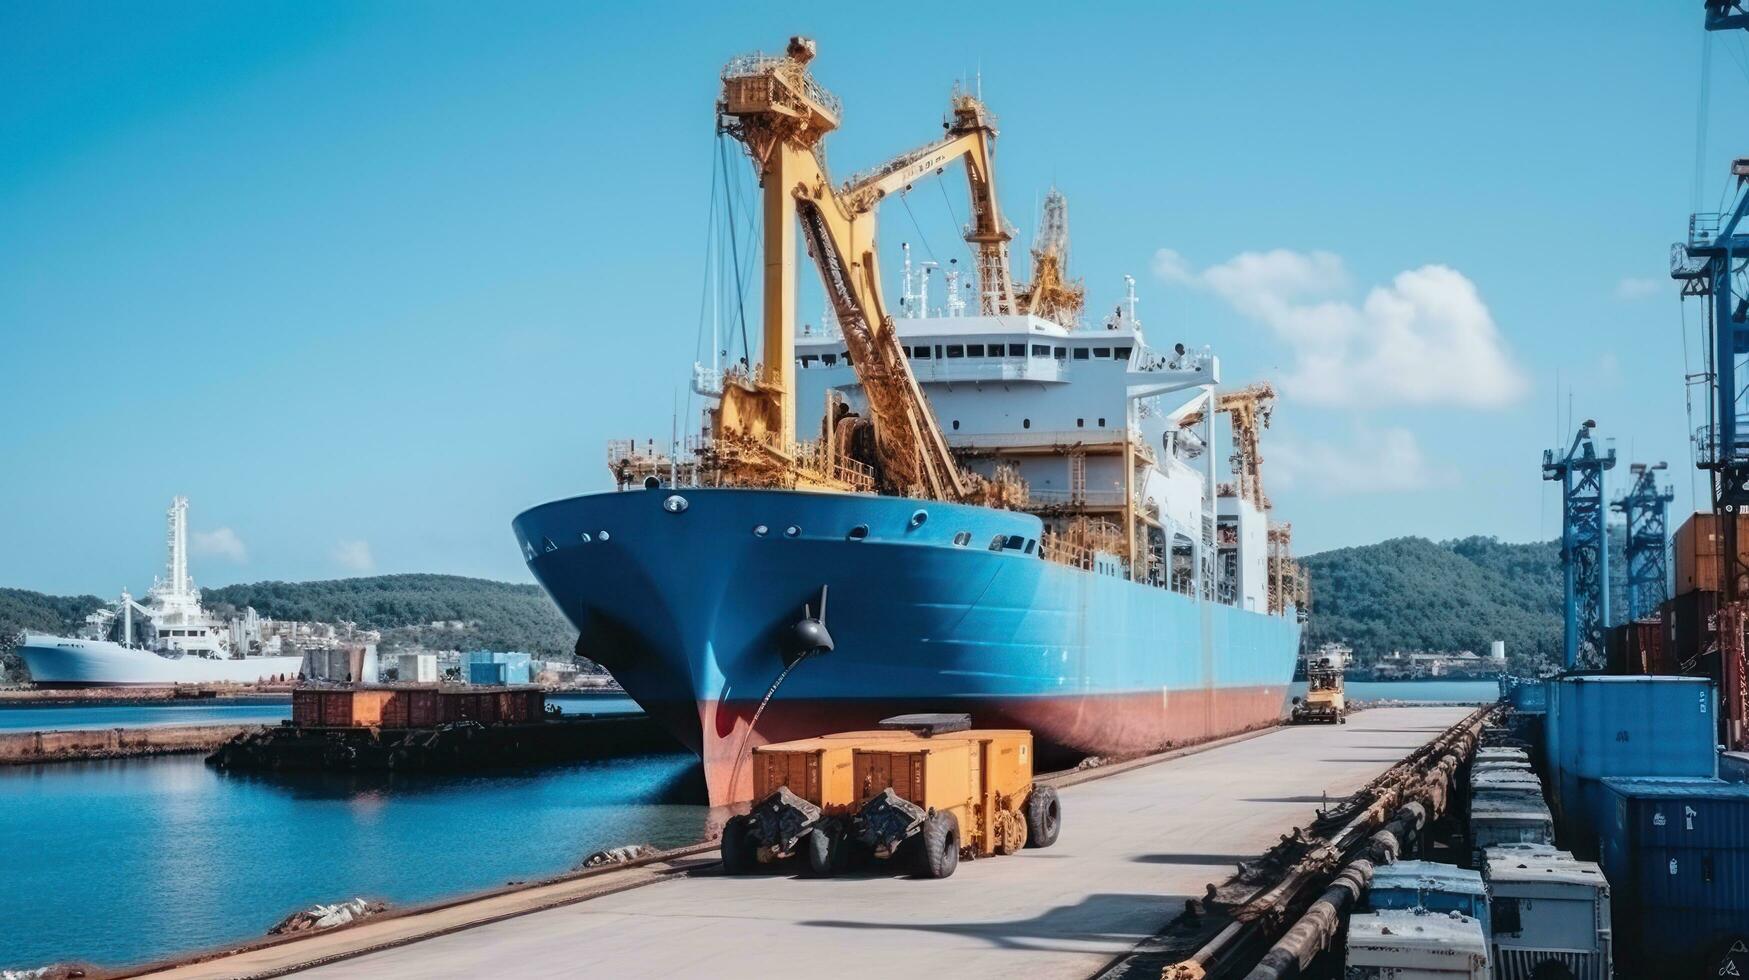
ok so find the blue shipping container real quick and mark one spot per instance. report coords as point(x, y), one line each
point(1676, 853)
point(485, 673)
point(1530, 697)
point(1630, 726)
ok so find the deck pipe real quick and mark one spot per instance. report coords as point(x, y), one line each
point(1403, 800)
point(1318, 925)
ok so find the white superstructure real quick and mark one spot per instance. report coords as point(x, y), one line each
point(1054, 404)
point(168, 639)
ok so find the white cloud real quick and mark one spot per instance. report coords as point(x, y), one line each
point(221, 543)
point(1425, 339)
point(1635, 287)
point(1376, 461)
point(354, 556)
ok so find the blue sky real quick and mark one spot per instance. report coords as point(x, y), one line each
point(365, 280)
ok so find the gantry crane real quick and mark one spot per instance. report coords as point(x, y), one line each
point(1584, 545)
point(1646, 507)
point(782, 115)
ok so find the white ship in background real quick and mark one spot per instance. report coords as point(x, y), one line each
point(168, 639)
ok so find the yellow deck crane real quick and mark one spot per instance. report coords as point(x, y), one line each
point(1250, 409)
point(781, 114)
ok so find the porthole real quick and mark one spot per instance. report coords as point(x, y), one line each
point(1026, 423)
point(963, 538)
point(792, 531)
point(604, 535)
point(584, 537)
point(760, 530)
point(674, 504)
point(918, 517)
point(998, 541)
point(858, 532)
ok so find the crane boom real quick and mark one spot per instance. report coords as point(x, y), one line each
point(775, 108)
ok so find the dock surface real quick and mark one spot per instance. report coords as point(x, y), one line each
point(1134, 846)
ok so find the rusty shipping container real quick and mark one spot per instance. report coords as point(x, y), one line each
point(1699, 545)
point(422, 708)
point(1690, 630)
point(1637, 647)
point(306, 708)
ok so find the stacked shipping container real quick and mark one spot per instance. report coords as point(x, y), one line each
point(1599, 727)
point(1676, 852)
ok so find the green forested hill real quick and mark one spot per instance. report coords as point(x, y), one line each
point(1406, 593)
point(496, 615)
point(21, 610)
point(1414, 594)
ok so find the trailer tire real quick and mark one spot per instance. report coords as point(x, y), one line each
point(1044, 817)
point(936, 847)
point(738, 856)
point(820, 851)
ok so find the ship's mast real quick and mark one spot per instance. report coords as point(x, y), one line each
point(178, 584)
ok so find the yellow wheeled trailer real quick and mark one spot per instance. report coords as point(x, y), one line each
point(917, 797)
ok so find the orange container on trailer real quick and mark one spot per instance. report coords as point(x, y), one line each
point(819, 770)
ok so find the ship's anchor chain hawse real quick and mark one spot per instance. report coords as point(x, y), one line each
point(807, 637)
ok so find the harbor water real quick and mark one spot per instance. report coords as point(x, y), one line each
point(1431, 691)
point(127, 861)
point(27, 717)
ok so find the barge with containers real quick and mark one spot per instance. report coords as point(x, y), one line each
point(1006, 511)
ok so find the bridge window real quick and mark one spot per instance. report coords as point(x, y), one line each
point(974, 350)
point(1061, 353)
point(1081, 353)
point(1016, 350)
point(963, 538)
point(923, 353)
point(956, 350)
point(828, 359)
point(847, 357)
point(1104, 352)
point(1030, 545)
point(1041, 350)
point(1121, 353)
point(807, 360)
point(997, 541)
point(995, 350)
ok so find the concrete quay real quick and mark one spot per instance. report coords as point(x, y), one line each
point(1135, 844)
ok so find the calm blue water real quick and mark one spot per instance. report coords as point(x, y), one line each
point(267, 711)
point(131, 860)
point(1464, 692)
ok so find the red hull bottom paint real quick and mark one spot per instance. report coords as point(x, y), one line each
point(1065, 729)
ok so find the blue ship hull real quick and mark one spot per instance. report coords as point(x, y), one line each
point(692, 613)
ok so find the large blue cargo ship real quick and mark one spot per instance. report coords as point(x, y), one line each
point(691, 606)
point(1008, 511)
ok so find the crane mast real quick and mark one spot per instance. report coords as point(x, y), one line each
point(781, 114)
